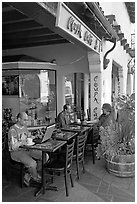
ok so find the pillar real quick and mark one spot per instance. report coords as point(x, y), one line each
point(134, 83)
point(86, 93)
point(95, 84)
point(96, 95)
point(129, 88)
point(60, 91)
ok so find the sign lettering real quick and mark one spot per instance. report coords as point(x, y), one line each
point(74, 27)
point(95, 96)
point(70, 23)
point(88, 38)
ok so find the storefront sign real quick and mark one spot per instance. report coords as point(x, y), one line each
point(70, 23)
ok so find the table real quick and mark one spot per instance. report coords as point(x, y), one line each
point(76, 128)
point(64, 136)
point(84, 124)
point(46, 147)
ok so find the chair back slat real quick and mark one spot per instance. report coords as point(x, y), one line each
point(69, 153)
point(95, 133)
point(81, 139)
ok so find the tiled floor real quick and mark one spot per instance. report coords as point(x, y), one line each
point(96, 185)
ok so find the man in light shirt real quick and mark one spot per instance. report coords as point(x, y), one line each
point(17, 137)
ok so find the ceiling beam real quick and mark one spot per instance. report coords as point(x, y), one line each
point(13, 14)
point(126, 46)
point(120, 35)
point(123, 42)
point(16, 21)
point(20, 26)
point(42, 31)
point(116, 28)
point(23, 45)
point(36, 11)
point(6, 8)
point(111, 18)
point(32, 39)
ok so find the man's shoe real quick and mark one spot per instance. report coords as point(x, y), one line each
point(35, 183)
point(37, 180)
point(27, 179)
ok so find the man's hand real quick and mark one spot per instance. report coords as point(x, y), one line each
point(23, 142)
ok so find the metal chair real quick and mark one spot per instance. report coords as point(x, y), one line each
point(56, 166)
point(79, 152)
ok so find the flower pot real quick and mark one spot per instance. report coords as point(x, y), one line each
point(121, 165)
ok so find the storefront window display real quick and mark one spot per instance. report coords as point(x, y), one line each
point(33, 91)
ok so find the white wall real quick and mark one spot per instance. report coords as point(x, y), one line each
point(122, 18)
point(118, 55)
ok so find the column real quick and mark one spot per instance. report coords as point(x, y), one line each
point(95, 84)
point(128, 84)
point(133, 82)
point(60, 91)
point(86, 93)
point(96, 95)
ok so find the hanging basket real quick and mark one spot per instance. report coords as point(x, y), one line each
point(121, 165)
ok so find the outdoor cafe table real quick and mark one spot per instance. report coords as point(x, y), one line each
point(65, 136)
point(46, 147)
point(80, 129)
point(85, 124)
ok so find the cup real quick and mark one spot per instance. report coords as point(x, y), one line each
point(29, 140)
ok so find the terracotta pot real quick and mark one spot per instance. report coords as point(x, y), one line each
point(121, 165)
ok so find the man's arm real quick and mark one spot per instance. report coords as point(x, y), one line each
point(12, 140)
point(15, 140)
point(61, 120)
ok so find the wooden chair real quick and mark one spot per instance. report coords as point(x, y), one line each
point(56, 166)
point(13, 165)
point(93, 140)
point(79, 152)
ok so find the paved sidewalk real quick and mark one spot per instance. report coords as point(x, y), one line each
point(96, 185)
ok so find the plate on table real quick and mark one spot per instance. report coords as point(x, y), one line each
point(74, 127)
point(30, 144)
point(91, 122)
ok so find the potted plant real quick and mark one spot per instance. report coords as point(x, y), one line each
point(118, 139)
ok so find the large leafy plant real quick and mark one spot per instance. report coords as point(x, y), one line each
point(118, 138)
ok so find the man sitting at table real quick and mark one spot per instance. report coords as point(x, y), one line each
point(17, 136)
point(63, 117)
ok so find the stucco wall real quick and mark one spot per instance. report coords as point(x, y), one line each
point(118, 55)
point(122, 18)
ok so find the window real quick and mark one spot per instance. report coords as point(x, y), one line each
point(34, 92)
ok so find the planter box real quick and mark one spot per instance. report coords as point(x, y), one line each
point(121, 165)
